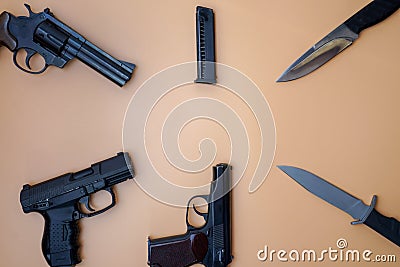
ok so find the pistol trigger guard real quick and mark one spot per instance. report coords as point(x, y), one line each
point(205, 197)
point(202, 214)
point(113, 201)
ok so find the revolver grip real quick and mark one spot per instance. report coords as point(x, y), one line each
point(6, 38)
point(177, 251)
point(60, 241)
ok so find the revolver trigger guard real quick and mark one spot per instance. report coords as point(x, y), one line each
point(30, 54)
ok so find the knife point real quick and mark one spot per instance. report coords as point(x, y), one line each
point(283, 167)
point(288, 76)
point(282, 78)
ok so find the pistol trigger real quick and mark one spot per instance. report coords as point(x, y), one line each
point(202, 214)
point(86, 201)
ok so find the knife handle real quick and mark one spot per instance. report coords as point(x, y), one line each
point(388, 227)
point(371, 14)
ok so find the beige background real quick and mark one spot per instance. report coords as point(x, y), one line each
point(340, 122)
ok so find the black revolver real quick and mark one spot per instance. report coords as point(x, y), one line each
point(43, 34)
point(210, 244)
point(58, 200)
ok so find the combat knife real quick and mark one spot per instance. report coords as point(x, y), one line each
point(388, 227)
point(340, 38)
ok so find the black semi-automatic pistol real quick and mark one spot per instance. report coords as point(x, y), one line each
point(59, 201)
point(209, 244)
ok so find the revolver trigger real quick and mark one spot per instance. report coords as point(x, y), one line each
point(86, 201)
point(29, 54)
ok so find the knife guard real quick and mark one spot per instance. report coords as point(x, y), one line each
point(205, 46)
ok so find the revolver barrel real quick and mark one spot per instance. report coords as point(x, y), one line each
point(117, 71)
point(65, 42)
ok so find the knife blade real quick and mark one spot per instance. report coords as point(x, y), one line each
point(368, 215)
point(340, 38)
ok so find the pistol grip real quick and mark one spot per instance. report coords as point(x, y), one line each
point(60, 240)
point(177, 251)
point(6, 38)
